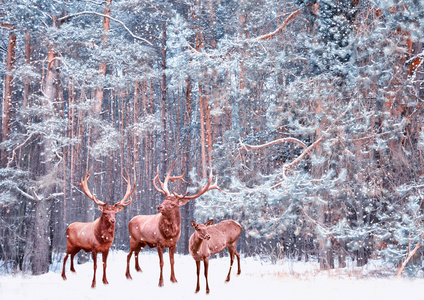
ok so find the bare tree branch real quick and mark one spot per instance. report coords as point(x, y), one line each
point(411, 253)
point(105, 16)
point(34, 197)
point(11, 159)
point(305, 152)
point(26, 195)
point(54, 195)
point(286, 21)
point(286, 167)
point(279, 141)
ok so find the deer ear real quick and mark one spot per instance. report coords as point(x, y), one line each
point(193, 224)
point(100, 207)
point(183, 202)
point(209, 223)
point(119, 208)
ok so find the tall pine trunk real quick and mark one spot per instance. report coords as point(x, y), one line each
point(8, 89)
point(42, 240)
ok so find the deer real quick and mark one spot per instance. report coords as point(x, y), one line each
point(162, 230)
point(96, 236)
point(209, 239)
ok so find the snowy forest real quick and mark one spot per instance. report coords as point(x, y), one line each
point(308, 112)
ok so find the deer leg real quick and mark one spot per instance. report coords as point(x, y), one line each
point(137, 266)
point(127, 273)
point(238, 262)
point(206, 263)
point(64, 263)
point(104, 256)
point(160, 252)
point(231, 262)
point(198, 273)
point(72, 260)
point(94, 253)
point(171, 259)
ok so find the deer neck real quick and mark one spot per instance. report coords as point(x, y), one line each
point(170, 224)
point(105, 231)
point(195, 243)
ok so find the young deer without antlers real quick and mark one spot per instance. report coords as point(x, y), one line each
point(163, 229)
point(209, 239)
point(95, 236)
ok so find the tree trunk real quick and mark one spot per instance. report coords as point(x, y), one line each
point(41, 253)
point(102, 68)
point(188, 209)
point(25, 94)
point(163, 90)
point(8, 89)
point(41, 258)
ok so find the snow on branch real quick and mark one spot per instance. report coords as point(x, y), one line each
point(34, 197)
point(279, 141)
point(286, 21)
point(105, 16)
point(286, 167)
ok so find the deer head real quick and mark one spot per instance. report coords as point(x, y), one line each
point(202, 229)
point(109, 211)
point(173, 200)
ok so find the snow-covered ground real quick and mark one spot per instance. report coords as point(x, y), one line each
point(284, 280)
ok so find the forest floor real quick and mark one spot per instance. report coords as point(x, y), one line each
point(286, 279)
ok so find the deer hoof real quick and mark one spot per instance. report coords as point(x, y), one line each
point(128, 276)
point(64, 277)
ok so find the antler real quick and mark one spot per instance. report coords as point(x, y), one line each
point(129, 191)
point(207, 187)
point(86, 190)
point(164, 185)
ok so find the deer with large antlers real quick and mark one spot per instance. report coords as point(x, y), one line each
point(163, 229)
point(95, 236)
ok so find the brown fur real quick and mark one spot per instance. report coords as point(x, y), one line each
point(162, 230)
point(209, 239)
point(97, 236)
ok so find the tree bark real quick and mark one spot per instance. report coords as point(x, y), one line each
point(25, 94)
point(163, 89)
point(42, 242)
point(102, 68)
point(41, 253)
point(8, 89)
